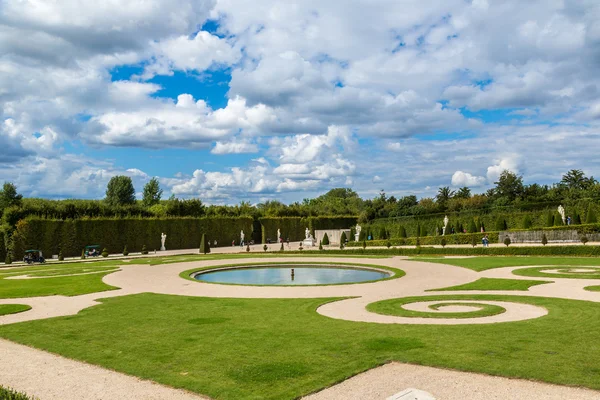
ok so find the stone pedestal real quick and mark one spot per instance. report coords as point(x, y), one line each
point(162, 248)
point(411, 394)
point(356, 236)
point(308, 242)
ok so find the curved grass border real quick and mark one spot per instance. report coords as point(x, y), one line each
point(494, 284)
point(592, 288)
point(6, 309)
point(537, 272)
point(394, 307)
point(395, 272)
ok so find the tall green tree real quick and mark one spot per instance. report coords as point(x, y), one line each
point(152, 193)
point(463, 193)
point(9, 196)
point(509, 185)
point(444, 194)
point(576, 179)
point(120, 191)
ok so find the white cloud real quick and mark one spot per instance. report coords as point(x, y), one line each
point(460, 178)
point(509, 163)
point(234, 147)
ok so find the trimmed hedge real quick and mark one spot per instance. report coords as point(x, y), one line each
point(579, 251)
point(465, 238)
point(71, 236)
point(294, 227)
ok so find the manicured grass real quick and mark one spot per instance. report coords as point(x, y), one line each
point(282, 349)
point(594, 273)
point(485, 263)
point(394, 307)
point(396, 273)
point(494, 284)
point(593, 288)
point(6, 309)
point(59, 279)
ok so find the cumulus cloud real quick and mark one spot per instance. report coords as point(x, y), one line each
point(234, 147)
point(509, 163)
point(460, 178)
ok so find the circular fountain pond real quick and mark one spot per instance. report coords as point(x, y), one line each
point(291, 274)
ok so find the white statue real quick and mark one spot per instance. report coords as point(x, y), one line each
point(307, 233)
point(561, 211)
point(357, 234)
point(445, 225)
point(163, 238)
point(242, 236)
point(278, 235)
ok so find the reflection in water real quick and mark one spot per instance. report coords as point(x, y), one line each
point(291, 276)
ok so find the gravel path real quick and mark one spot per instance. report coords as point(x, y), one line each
point(383, 382)
point(51, 377)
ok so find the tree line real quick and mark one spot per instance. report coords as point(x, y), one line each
point(120, 201)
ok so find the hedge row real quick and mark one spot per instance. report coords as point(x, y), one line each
point(431, 240)
point(10, 394)
point(581, 251)
point(294, 227)
point(490, 219)
point(71, 236)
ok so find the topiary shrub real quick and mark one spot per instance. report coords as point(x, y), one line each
point(418, 242)
point(325, 240)
point(500, 224)
point(388, 244)
point(472, 226)
point(352, 234)
point(544, 239)
point(362, 235)
point(443, 242)
point(590, 215)
point(343, 238)
point(549, 219)
point(105, 252)
point(527, 224)
point(577, 220)
point(364, 244)
point(558, 220)
point(83, 254)
point(265, 247)
point(320, 245)
point(300, 248)
point(281, 248)
point(473, 241)
point(247, 248)
point(8, 259)
point(402, 232)
point(507, 241)
point(125, 251)
point(204, 245)
point(584, 239)
point(342, 246)
point(60, 256)
point(144, 249)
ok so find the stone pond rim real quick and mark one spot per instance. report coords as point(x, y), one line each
point(305, 274)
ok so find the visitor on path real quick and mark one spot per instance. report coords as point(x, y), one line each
point(485, 241)
point(215, 243)
point(569, 220)
point(233, 243)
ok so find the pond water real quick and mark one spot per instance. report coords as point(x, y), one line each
point(282, 275)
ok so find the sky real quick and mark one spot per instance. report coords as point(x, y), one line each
point(239, 100)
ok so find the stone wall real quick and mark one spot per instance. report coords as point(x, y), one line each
point(334, 235)
point(553, 236)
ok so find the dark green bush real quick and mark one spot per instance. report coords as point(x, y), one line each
point(507, 241)
point(265, 247)
point(83, 254)
point(281, 248)
point(584, 239)
point(343, 238)
point(8, 259)
point(320, 245)
point(144, 249)
point(364, 244)
point(204, 245)
point(325, 240)
point(60, 256)
point(388, 244)
point(500, 224)
point(549, 219)
point(544, 239)
point(590, 215)
point(527, 222)
point(443, 242)
point(125, 251)
point(105, 253)
point(247, 248)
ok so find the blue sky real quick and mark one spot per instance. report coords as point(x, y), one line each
point(231, 100)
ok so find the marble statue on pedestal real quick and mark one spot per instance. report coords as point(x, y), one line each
point(561, 211)
point(163, 238)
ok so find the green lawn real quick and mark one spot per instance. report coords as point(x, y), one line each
point(6, 309)
point(74, 285)
point(394, 307)
point(593, 288)
point(485, 263)
point(282, 349)
point(494, 284)
point(565, 272)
